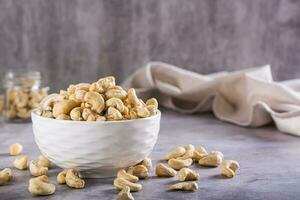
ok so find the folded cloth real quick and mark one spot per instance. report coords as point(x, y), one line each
point(246, 98)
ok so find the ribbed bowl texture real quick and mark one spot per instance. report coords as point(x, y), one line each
point(96, 149)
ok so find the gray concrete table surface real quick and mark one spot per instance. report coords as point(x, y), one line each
point(270, 164)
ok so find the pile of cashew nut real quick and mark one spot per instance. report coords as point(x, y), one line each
point(99, 101)
point(20, 102)
point(39, 185)
point(177, 164)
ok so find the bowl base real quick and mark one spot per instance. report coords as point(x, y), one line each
point(98, 173)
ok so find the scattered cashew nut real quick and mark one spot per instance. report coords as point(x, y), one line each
point(125, 194)
point(147, 163)
point(189, 151)
point(129, 177)
point(36, 169)
point(162, 170)
point(229, 168)
point(185, 186)
point(178, 164)
point(40, 186)
point(186, 174)
point(21, 162)
point(138, 170)
point(73, 180)
point(44, 161)
point(211, 160)
point(121, 183)
point(61, 177)
point(5, 176)
point(199, 153)
point(15, 149)
point(175, 153)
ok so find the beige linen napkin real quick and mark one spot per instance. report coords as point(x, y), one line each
point(247, 97)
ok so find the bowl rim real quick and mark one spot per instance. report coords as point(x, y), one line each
point(34, 114)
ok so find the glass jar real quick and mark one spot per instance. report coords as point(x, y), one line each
point(23, 93)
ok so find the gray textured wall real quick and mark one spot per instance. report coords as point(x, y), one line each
point(81, 40)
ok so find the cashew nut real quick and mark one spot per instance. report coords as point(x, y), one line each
point(64, 107)
point(178, 164)
point(189, 151)
point(21, 99)
point(48, 102)
point(116, 103)
point(185, 186)
point(211, 160)
point(15, 149)
point(129, 177)
point(82, 86)
point(73, 180)
point(133, 99)
point(125, 194)
point(47, 113)
point(44, 161)
point(96, 100)
point(199, 153)
point(164, 171)
point(63, 117)
point(116, 92)
point(61, 177)
point(186, 174)
point(229, 168)
point(143, 112)
point(139, 170)
point(40, 186)
point(113, 114)
point(36, 169)
point(177, 152)
point(105, 83)
point(133, 114)
point(79, 95)
point(121, 183)
point(21, 162)
point(86, 112)
point(5, 176)
point(100, 101)
point(217, 153)
point(64, 94)
point(100, 118)
point(23, 113)
point(147, 163)
point(152, 102)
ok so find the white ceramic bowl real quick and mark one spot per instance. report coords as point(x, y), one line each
point(96, 149)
